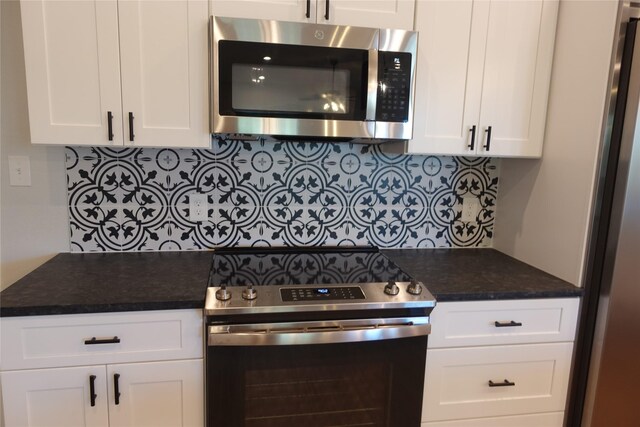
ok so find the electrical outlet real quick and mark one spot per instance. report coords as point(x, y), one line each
point(198, 207)
point(470, 209)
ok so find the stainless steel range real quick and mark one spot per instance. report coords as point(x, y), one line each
point(314, 337)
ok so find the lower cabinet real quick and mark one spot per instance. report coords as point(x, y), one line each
point(137, 394)
point(499, 363)
point(138, 369)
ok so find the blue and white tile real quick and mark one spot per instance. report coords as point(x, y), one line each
point(95, 228)
point(286, 225)
point(288, 187)
point(144, 227)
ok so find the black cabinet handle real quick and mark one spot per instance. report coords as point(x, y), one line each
point(308, 14)
point(92, 389)
point(326, 11)
point(507, 324)
point(131, 135)
point(116, 388)
point(473, 138)
point(110, 124)
point(488, 144)
point(505, 383)
point(94, 340)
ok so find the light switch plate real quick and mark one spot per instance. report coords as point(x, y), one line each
point(19, 171)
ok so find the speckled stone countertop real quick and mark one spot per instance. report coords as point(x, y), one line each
point(91, 283)
point(478, 274)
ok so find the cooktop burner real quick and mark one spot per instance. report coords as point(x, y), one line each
point(272, 280)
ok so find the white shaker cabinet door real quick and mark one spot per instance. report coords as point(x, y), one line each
point(72, 68)
point(55, 397)
point(157, 394)
point(484, 68)
point(449, 76)
point(517, 74)
point(278, 10)
point(163, 49)
point(367, 13)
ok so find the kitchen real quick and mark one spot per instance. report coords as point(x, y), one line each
point(42, 213)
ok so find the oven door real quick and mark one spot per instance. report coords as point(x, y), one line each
point(276, 78)
point(317, 374)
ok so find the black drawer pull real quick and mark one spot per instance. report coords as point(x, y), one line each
point(92, 389)
point(473, 138)
point(505, 383)
point(116, 388)
point(131, 135)
point(94, 340)
point(487, 146)
point(507, 324)
point(110, 125)
point(308, 14)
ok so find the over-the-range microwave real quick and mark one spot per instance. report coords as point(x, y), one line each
point(314, 81)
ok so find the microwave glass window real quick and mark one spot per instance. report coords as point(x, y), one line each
point(281, 89)
point(292, 81)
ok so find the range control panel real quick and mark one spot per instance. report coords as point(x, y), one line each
point(322, 294)
point(394, 86)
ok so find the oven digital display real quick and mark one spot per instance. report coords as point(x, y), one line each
point(322, 294)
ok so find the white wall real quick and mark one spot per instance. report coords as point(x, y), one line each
point(33, 220)
point(544, 205)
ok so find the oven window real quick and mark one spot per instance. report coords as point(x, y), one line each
point(291, 81)
point(317, 395)
point(377, 383)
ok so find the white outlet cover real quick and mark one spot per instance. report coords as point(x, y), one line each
point(198, 207)
point(470, 209)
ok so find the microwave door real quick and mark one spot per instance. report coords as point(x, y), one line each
point(282, 89)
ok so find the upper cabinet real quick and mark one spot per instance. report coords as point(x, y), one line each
point(483, 75)
point(106, 72)
point(362, 13)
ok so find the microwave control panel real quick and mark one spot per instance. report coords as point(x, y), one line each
point(394, 86)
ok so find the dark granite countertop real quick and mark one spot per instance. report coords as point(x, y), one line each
point(91, 283)
point(478, 274)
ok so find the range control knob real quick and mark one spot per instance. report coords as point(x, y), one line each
point(414, 288)
point(391, 288)
point(223, 294)
point(249, 293)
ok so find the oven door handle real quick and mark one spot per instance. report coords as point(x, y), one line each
point(321, 333)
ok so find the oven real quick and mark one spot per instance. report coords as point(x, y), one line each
point(333, 337)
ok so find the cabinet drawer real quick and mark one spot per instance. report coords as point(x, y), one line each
point(550, 419)
point(56, 341)
point(473, 323)
point(457, 381)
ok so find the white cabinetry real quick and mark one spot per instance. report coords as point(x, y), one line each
point(42, 386)
point(90, 65)
point(483, 75)
point(362, 13)
point(499, 363)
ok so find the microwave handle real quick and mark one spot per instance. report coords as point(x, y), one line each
point(372, 86)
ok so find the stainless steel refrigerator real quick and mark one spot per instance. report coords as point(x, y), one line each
point(605, 389)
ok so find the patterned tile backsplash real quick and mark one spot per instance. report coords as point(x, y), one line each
point(268, 193)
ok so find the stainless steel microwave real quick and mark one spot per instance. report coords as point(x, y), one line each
point(300, 80)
